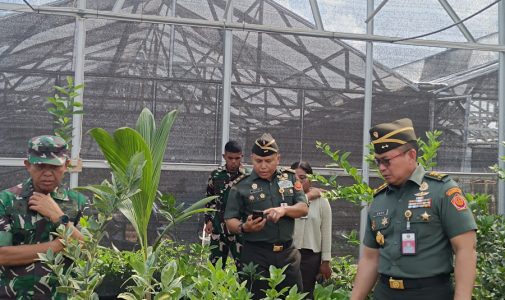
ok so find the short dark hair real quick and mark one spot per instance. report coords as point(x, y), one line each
point(233, 147)
point(302, 165)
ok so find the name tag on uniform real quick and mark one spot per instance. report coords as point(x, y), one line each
point(285, 184)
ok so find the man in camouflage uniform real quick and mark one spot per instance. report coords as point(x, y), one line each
point(222, 241)
point(29, 212)
point(418, 224)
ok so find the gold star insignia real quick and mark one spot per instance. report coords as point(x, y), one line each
point(384, 221)
point(425, 216)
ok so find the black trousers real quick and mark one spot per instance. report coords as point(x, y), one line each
point(443, 291)
point(263, 258)
point(309, 267)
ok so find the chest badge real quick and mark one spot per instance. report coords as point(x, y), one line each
point(421, 194)
point(425, 216)
point(384, 221)
point(262, 196)
point(424, 186)
point(374, 225)
point(254, 186)
point(379, 238)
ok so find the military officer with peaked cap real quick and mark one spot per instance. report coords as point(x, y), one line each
point(417, 222)
point(279, 196)
point(29, 213)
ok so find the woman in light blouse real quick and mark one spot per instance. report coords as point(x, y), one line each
point(312, 235)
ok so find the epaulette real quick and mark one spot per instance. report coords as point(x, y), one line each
point(380, 188)
point(238, 179)
point(287, 170)
point(436, 175)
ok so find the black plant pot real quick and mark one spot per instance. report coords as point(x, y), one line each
point(112, 285)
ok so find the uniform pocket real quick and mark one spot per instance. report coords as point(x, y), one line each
point(380, 223)
point(423, 215)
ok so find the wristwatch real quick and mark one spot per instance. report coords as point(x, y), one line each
point(63, 219)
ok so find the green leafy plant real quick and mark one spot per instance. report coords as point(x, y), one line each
point(478, 203)
point(428, 150)
point(490, 282)
point(214, 282)
point(64, 107)
point(324, 292)
point(149, 142)
point(352, 238)
point(176, 213)
point(276, 277)
point(356, 193)
point(120, 147)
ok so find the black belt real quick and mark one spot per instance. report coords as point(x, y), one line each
point(410, 283)
point(275, 247)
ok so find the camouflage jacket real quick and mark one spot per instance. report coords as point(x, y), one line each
point(219, 181)
point(21, 226)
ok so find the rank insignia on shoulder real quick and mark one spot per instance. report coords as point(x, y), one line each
point(288, 170)
point(380, 188)
point(436, 175)
point(238, 179)
point(459, 202)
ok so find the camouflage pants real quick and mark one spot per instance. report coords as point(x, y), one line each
point(221, 245)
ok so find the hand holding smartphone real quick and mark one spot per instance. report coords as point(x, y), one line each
point(257, 214)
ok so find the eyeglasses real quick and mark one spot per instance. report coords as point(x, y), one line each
point(387, 161)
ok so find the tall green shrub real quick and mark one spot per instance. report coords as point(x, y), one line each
point(63, 107)
point(121, 146)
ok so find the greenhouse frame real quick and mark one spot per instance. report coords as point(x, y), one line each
point(304, 71)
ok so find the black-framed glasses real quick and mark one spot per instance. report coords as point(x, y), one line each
point(387, 161)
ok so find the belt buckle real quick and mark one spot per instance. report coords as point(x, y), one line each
point(396, 284)
point(278, 248)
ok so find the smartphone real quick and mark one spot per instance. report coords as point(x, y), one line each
point(257, 214)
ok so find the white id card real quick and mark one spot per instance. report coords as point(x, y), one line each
point(408, 243)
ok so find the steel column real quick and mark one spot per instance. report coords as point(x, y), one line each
point(374, 12)
point(79, 48)
point(455, 18)
point(367, 121)
point(317, 15)
point(172, 42)
point(501, 105)
point(227, 70)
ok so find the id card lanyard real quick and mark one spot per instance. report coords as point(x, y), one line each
point(408, 237)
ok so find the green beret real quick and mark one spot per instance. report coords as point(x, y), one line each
point(265, 145)
point(47, 149)
point(388, 136)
